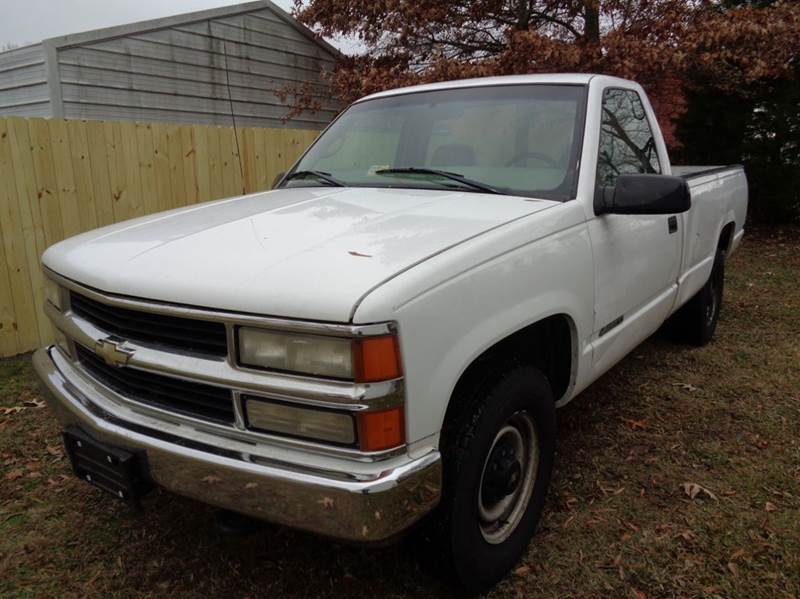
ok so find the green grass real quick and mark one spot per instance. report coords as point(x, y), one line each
point(617, 524)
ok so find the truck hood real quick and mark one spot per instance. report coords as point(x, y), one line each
point(307, 253)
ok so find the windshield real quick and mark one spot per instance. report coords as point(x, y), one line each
point(517, 139)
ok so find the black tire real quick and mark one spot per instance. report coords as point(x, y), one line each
point(520, 395)
point(696, 322)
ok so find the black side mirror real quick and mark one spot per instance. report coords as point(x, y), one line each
point(643, 194)
point(277, 180)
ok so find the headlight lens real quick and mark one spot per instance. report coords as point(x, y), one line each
point(377, 431)
point(308, 423)
point(53, 292)
point(308, 354)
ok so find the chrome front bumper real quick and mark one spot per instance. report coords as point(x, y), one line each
point(355, 501)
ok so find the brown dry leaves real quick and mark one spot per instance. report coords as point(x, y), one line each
point(692, 490)
point(656, 43)
point(33, 402)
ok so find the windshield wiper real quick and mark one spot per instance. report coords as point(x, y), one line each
point(321, 175)
point(444, 174)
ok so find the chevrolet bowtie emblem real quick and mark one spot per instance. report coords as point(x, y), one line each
point(112, 352)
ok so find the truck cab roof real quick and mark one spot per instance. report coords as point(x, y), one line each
point(549, 78)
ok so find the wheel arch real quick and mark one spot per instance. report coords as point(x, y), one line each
point(549, 344)
point(725, 240)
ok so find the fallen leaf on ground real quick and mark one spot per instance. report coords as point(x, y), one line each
point(693, 490)
point(14, 474)
point(686, 387)
point(636, 424)
point(770, 507)
point(686, 535)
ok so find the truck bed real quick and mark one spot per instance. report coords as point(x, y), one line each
point(689, 172)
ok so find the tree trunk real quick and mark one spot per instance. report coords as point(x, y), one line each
point(523, 14)
point(591, 18)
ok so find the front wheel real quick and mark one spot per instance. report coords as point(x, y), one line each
point(498, 455)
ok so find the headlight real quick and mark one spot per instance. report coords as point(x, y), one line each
point(362, 359)
point(53, 292)
point(377, 431)
point(307, 423)
point(308, 354)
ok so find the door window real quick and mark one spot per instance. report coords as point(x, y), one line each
point(627, 145)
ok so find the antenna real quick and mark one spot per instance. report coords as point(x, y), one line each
point(233, 115)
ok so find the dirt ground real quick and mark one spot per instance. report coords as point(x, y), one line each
point(678, 475)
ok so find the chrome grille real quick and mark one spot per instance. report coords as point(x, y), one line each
point(148, 327)
point(177, 395)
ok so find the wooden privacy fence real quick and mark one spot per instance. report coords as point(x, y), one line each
point(61, 177)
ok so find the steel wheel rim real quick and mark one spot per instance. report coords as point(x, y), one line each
point(498, 520)
point(711, 309)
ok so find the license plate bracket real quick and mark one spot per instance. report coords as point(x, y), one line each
point(120, 472)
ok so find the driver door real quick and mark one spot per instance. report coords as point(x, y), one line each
point(636, 257)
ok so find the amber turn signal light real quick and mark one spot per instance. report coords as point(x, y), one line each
point(380, 430)
point(376, 359)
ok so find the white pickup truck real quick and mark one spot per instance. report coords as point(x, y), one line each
point(384, 338)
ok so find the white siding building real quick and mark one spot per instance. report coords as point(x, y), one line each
point(191, 68)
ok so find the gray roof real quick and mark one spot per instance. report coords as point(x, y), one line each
point(108, 33)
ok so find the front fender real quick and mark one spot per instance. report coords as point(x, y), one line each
point(445, 326)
